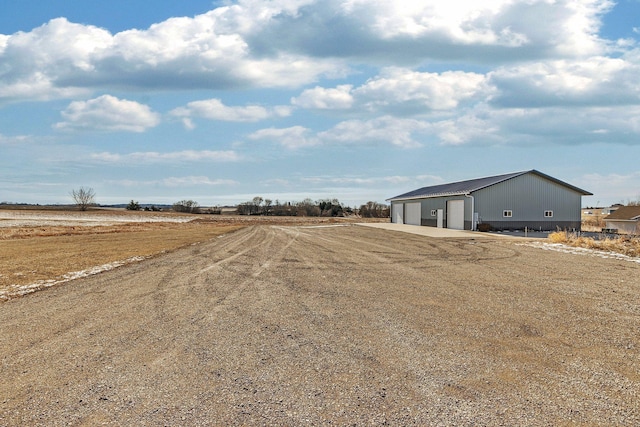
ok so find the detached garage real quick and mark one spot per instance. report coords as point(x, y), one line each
point(625, 220)
point(503, 202)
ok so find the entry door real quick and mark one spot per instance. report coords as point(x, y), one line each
point(412, 213)
point(440, 218)
point(455, 214)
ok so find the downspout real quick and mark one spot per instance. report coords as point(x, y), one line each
point(473, 213)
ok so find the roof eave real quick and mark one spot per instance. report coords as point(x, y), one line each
point(429, 196)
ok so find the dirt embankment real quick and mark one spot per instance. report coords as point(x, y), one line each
point(302, 325)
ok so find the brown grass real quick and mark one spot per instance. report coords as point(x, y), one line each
point(593, 223)
point(30, 255)
point(629, 246)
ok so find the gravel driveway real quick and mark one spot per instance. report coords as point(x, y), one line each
point(340, 325)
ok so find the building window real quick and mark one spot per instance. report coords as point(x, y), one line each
point(548, 214)
point(507, 213)
point(433, 212)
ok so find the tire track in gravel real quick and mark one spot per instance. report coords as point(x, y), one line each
point(292, 326)
point(264, 248)
point(397, 328)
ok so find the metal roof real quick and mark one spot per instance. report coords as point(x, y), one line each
point(467, 187)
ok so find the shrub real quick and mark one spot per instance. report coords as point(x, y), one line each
point(558, 237)
point(624, 244)
point(484, 227)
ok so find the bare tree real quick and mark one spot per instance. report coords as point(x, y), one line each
point(257, 201)
point(374, 210)
point(83, 197)
point(267, 207)
point(188, 206)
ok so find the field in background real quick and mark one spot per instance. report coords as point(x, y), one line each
point(39, 247)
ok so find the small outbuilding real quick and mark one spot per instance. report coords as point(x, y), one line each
point(624, 220)
point(503, 202)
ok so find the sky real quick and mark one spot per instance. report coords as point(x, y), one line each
point(356, 100)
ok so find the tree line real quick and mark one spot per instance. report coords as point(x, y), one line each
point(85, 197)
point(308, 207)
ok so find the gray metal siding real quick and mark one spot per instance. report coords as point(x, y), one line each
point(435, 203)
point(528, 197)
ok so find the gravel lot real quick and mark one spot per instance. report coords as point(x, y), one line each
point(341, 325)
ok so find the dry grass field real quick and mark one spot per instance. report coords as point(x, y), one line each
point(626, 245)
point(39, 248)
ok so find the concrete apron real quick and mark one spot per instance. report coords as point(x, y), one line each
point(434, 231)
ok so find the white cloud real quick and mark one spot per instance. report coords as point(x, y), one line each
point(396, 86)
point(14, 140)
point(350, 180)
point(188, 181)
point(458, 19)
point(4, 39)
point(325, 99)
point(541, 126)
point(402, 91)
point(250, 44)
point(214, 109)
point(108, 113)
point(467, 128)
point(411, 32)
point(594, 81)
point(387, 129)
point(176, 156)
point(65, 59)
point(172, 182)
point(293, 137)
point(34, 62)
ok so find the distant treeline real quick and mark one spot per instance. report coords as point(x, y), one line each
point(308, 207)
point(257, 206)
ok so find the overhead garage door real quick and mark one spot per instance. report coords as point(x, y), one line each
point(455, 214)
point(412, 213)
point(397, 213)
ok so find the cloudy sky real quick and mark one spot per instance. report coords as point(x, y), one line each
point(221, 101)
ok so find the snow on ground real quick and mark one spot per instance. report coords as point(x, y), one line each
point(559, 247)
point(10, 218)
point(19, 290)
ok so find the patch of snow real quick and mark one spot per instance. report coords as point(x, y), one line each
point(9, 218)
point(19, 290)
point(559, 247)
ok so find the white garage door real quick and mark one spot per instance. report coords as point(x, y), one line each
point(412, 213)
point(397, 213)
point(455, 214)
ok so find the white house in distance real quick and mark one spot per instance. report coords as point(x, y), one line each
point(625, 220)
point(504, 202)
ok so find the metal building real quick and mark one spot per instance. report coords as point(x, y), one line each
point(504, 202)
